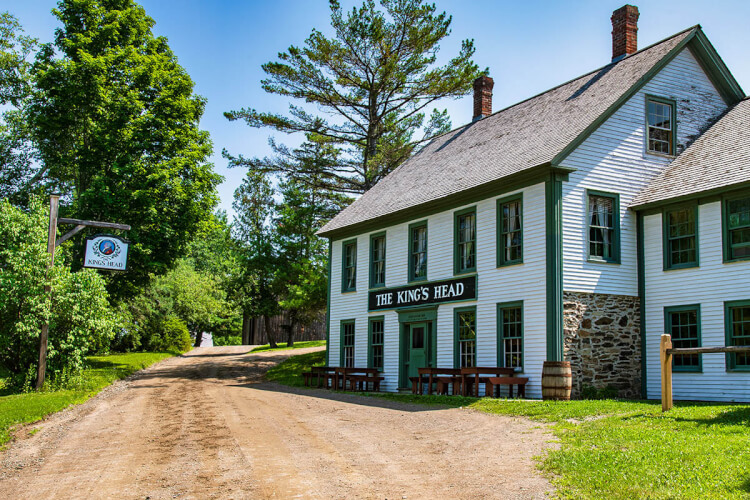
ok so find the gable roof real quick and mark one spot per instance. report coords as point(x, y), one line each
point(717, 160)
point(539, 131)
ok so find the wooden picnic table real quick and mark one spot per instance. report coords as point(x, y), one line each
point(475, 375)
point(357, 378)
point(444, 377)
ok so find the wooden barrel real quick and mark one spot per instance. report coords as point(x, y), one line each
point(557, 380)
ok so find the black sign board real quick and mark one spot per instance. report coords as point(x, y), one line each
point(434, 292)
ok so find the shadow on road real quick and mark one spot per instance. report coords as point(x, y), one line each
point(245, 370)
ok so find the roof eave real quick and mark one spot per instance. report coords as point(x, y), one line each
point(699, 195)
point(495, 187)
point(718, 72)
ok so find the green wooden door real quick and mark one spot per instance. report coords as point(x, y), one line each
point(417, 348)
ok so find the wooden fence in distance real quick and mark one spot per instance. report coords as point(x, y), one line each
point(667, 351)
point(255, 334)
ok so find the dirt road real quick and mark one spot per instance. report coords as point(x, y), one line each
point(206, 426)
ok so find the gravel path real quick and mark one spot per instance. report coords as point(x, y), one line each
point(206, 425)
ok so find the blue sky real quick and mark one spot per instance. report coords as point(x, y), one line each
point(529, 47)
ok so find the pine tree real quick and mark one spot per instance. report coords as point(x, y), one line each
point(373, 81)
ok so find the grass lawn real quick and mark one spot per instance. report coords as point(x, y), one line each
point(297, 345)
point(101, 371)
point(617, 449)
point(288, 372)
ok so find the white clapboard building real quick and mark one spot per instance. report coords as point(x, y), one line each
point(578, 225)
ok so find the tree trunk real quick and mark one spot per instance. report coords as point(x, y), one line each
point(271, 335)
point(198, 339)
point(290, 335)
point(245, 329)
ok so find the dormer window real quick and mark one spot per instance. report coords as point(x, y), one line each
point(660, 124)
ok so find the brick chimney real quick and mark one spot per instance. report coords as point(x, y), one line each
point(624, 31)
point(483, 97)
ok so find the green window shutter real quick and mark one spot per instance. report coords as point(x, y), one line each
point(681, 237)
point(347, 343)
point(683, 323)
point(418, 251)
point(349, 266)
point(603, 226)
point(736, 228)
point(510, 231)
point(377, 260)
point(661, 125)
point(465, 337)
point(510, 335)
point(737, 330)
point(375, 343)
point(465, 241)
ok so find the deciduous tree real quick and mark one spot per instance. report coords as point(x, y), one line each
point(115, 119)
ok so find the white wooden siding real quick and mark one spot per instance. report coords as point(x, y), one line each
point(709, 285)
point(613, 159)
point(526, 282)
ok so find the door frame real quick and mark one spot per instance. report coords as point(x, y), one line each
point(405, 319)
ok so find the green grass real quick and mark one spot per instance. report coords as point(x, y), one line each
point(630, 449)
point(297, 345)
point(289, 371)
point(617, 449)
point(101, 371)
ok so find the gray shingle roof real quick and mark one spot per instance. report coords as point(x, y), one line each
point(719, 158)
point(520, 137)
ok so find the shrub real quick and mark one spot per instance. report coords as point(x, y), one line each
point(82, 320)
point(227, 340)
point(172, 335)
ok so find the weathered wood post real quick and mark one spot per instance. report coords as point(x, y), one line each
point(54, 204)
point(666, 372)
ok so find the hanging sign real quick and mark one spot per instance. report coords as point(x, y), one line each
point(106, 252)
point(434, 292)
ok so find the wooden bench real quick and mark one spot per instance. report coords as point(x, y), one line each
point(416, 384)
point(357, 378)
point(444, 378)
point(472, 376)
point(492, 382)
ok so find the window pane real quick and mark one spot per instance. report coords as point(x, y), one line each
point(683, 327)
point(466, 233)
point(601, 226)
point(510, 227)
point(681, 237)
point(378, 260)
point(417, 338)
point(467, 338)
point(419, 252)
point(511, 330)
point(660, 127)
point(740, 334)
point(348, 344)
point(739, 228)
point(350, 262)
point(376, 340)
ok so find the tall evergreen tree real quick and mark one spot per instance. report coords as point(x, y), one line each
point(116, 121)
point(302, 255)
point(255, 287)
point(373, 80)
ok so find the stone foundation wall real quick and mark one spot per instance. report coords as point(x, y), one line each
point(602, 341)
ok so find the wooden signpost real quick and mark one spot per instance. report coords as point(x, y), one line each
point(666, 352)
point(52, 244)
